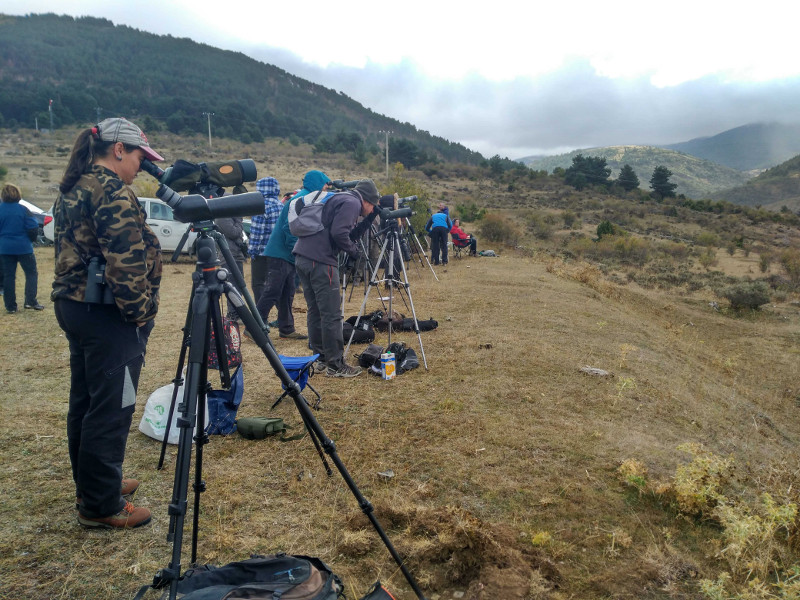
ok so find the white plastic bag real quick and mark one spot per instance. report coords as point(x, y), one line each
point(156, 411)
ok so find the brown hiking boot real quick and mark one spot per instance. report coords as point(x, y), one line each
point(128, 489)
point(127, 518)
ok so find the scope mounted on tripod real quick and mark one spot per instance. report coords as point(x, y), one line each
point(198, 207)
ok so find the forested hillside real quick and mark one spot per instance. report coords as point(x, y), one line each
point(777, 188)
point(175, 83)
point(695, 177)
point(746, 148)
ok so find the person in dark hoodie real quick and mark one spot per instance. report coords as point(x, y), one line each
point(316, 260)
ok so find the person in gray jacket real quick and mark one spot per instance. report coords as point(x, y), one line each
point(317, 266)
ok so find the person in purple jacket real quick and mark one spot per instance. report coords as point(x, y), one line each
point(316, 260)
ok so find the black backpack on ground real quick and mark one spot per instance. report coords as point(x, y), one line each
point(262, 578)
point(364, 333)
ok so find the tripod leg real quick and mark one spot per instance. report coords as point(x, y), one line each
point(194, 392)
point(178, 379)
point(414, 314)
point(372, 282)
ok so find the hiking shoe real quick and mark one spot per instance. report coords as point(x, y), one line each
point(11, 311)
point(273, 323)
point(320, 366)
point(295, 335)
point(127, 490)
point(344, 371)
point(36, 306)
point(127, 518)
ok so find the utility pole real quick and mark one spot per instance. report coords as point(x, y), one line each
point(50, 110)
point(387, 151)
point(209, 115)
point(98, 109)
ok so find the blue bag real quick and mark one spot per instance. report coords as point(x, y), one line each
point(223, 404)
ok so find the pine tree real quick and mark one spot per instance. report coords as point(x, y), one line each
point(660, 183)
point(627, 178)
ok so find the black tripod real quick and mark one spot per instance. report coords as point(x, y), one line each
point(391, 243)
point(209, 284)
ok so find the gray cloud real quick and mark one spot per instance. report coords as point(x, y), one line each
point(570, 108)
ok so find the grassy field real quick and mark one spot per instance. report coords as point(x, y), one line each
point(505, 453)
point(517, 473)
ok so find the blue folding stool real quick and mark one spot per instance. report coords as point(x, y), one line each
point(300, 369)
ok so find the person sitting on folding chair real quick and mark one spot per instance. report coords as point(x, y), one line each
point(462, 239)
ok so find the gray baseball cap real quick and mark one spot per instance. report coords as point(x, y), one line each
point(118, 129)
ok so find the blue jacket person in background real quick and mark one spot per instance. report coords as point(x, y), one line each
point(438, 226)
point(17, 227)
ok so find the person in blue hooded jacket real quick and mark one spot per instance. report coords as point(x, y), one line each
point(280, 285)
point(260, 231)
point(437, 227)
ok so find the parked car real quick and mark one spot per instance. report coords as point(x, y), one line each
point(159, 217)
point(43, 218)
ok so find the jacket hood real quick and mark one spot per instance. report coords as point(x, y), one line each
point(269, 187)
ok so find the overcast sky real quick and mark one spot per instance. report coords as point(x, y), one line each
point(510, 77)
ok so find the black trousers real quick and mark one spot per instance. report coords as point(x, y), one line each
point(439, 244)
point(106, 355)
point(258, 275)
point(278, 291)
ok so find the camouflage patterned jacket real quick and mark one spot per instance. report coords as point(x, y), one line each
point(101, 216)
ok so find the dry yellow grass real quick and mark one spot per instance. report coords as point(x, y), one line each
point(505, 454)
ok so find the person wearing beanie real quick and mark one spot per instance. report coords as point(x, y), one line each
point(316, 260)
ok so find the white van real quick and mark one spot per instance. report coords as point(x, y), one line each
point(159, 217)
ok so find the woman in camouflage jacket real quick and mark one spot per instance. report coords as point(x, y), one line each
point(99, 224)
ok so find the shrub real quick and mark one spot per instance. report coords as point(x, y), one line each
point(469, 212)
point(540, 225)
point(747, 294)
point(697, 485)
point(708, 258)
point(708, 239)
point(495, 228)
point(790, 261)
point(606, 228)
point(569, 219)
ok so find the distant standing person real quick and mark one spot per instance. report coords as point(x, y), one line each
point(260, 231)
point(437, 227)
point(99, 222)
point(17, 230)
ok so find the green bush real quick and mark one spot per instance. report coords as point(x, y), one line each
point(747, 294)
point(606, 228)
point(790, 261)
point(469, 212)
point(708, 239)
point(495, 228)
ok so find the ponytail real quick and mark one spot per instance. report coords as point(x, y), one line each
point(87, 147)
